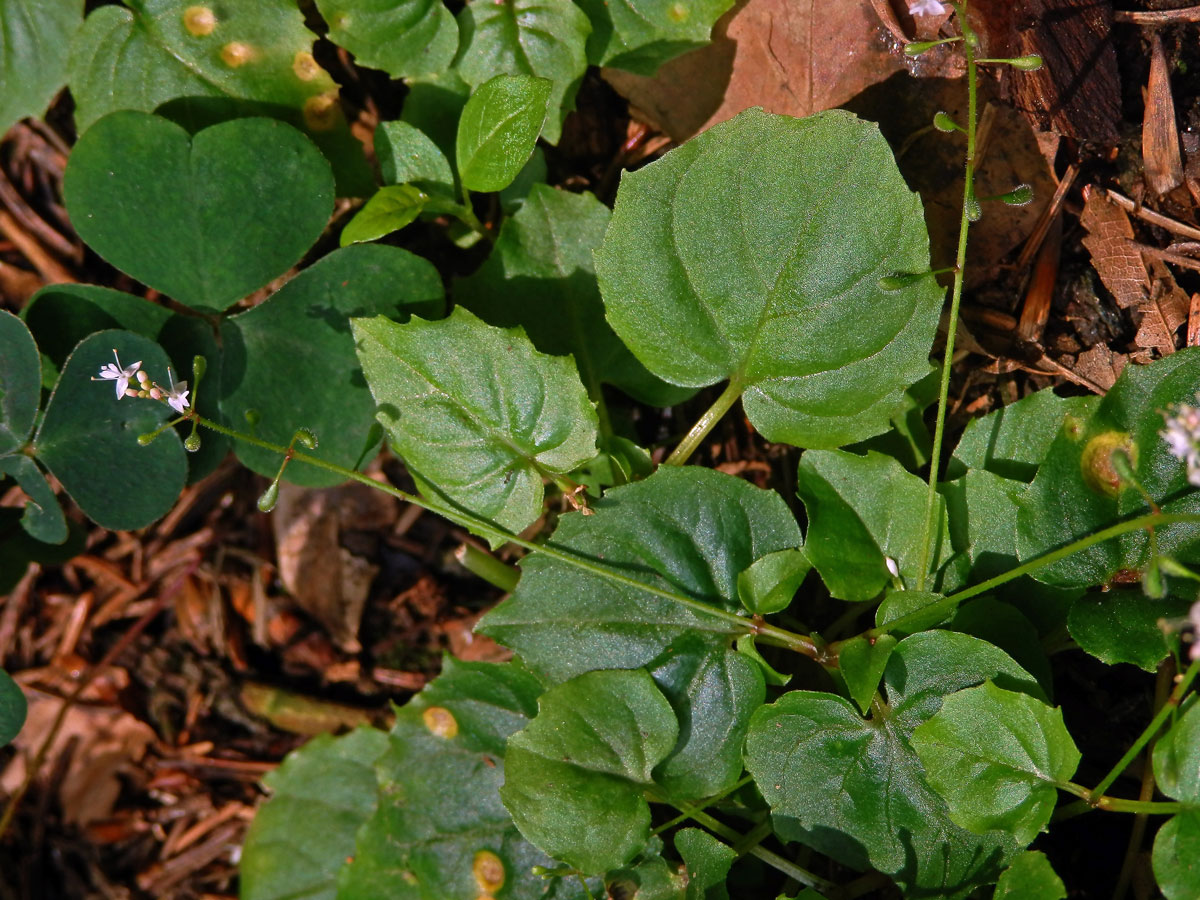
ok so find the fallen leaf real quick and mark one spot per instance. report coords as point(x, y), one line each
point(1163, 312)
point(1115, 255)
point(325, 579)
point(108, 742)
point(1100, 366)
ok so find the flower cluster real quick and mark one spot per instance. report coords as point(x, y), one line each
point(175, 396)
point(1182, 435)
point(1194, 620)
point(925, 8)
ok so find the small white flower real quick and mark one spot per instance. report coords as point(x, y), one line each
point(1194, 619)
point(1182, 434)
point(177, 394)
point(925, 8)
point(892, 566)
point(109, 372)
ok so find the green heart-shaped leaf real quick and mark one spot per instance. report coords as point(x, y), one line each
point(62, 315)
point(292, 358)
point(587, 758)
point(1176, 856)
point(201, 63)
point(407, 155)
point(769, 585)
point(546, 38)
point(20, 382)
point(754, 253)
point(477, 411)
point(201, 219)
point(641, 35)
point(86, 430)
point(405, 38)
point(498, 129)
point(1030, 877)
point(35, 37)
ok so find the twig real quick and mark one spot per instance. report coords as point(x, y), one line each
point(1154, 218)
point(1157, 17)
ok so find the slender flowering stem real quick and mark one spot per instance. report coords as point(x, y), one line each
point(960, 264)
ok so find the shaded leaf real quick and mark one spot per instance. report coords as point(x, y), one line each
point(405, 38)
point(12, 708)
point(758, 248)
point(640, 35)
point(587, 758)
point(199, 218)
point(688, 530)
point(1077, 492)
point(862, 510)
point(43, 518)
point(540, 276)
point(498, 129)
point(477, 411)
point(268, 363)
point(35, 37)
point(861, 662)
point(301, 837)
point(1030, 877)
point(855, 789)
point(441, 830)
point(86, 430)
point(62, 315)
point(997, 757)
point(1176, 856)
point(1122, 626)
point(20, 382)
point(1177, 757)
point(409, 156)
point(389, 209)
point(1012, 441)
point(526, 37)
point(771, 582)
point(707, 861)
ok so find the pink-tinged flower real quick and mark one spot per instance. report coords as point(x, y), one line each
point(177, 394)
point(1182, 434)
point(1194, 619)
point(119, 374)
point(925, 8)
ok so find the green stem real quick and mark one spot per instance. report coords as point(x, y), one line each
point(686, 812)
point(705, 423)
point(949, 604)
point(786, 866)
point(960, 263)
point(482, 564)
point(732, 623)
point(1172, 704)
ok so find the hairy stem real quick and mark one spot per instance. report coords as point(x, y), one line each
point(960, 263)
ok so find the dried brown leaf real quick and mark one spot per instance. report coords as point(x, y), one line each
point(1160, 134)
point(1115, 255)
point(1163, 312)
point(1100, 365)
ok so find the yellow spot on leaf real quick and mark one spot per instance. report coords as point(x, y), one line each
point(305, 66)
point(199, 21)
point(1096, 462)
point(237, 53)
point(441, 722)
point(678, 12)
point(321, 111)
point(488, 870)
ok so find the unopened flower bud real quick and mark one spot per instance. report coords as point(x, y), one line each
point(269, 497)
